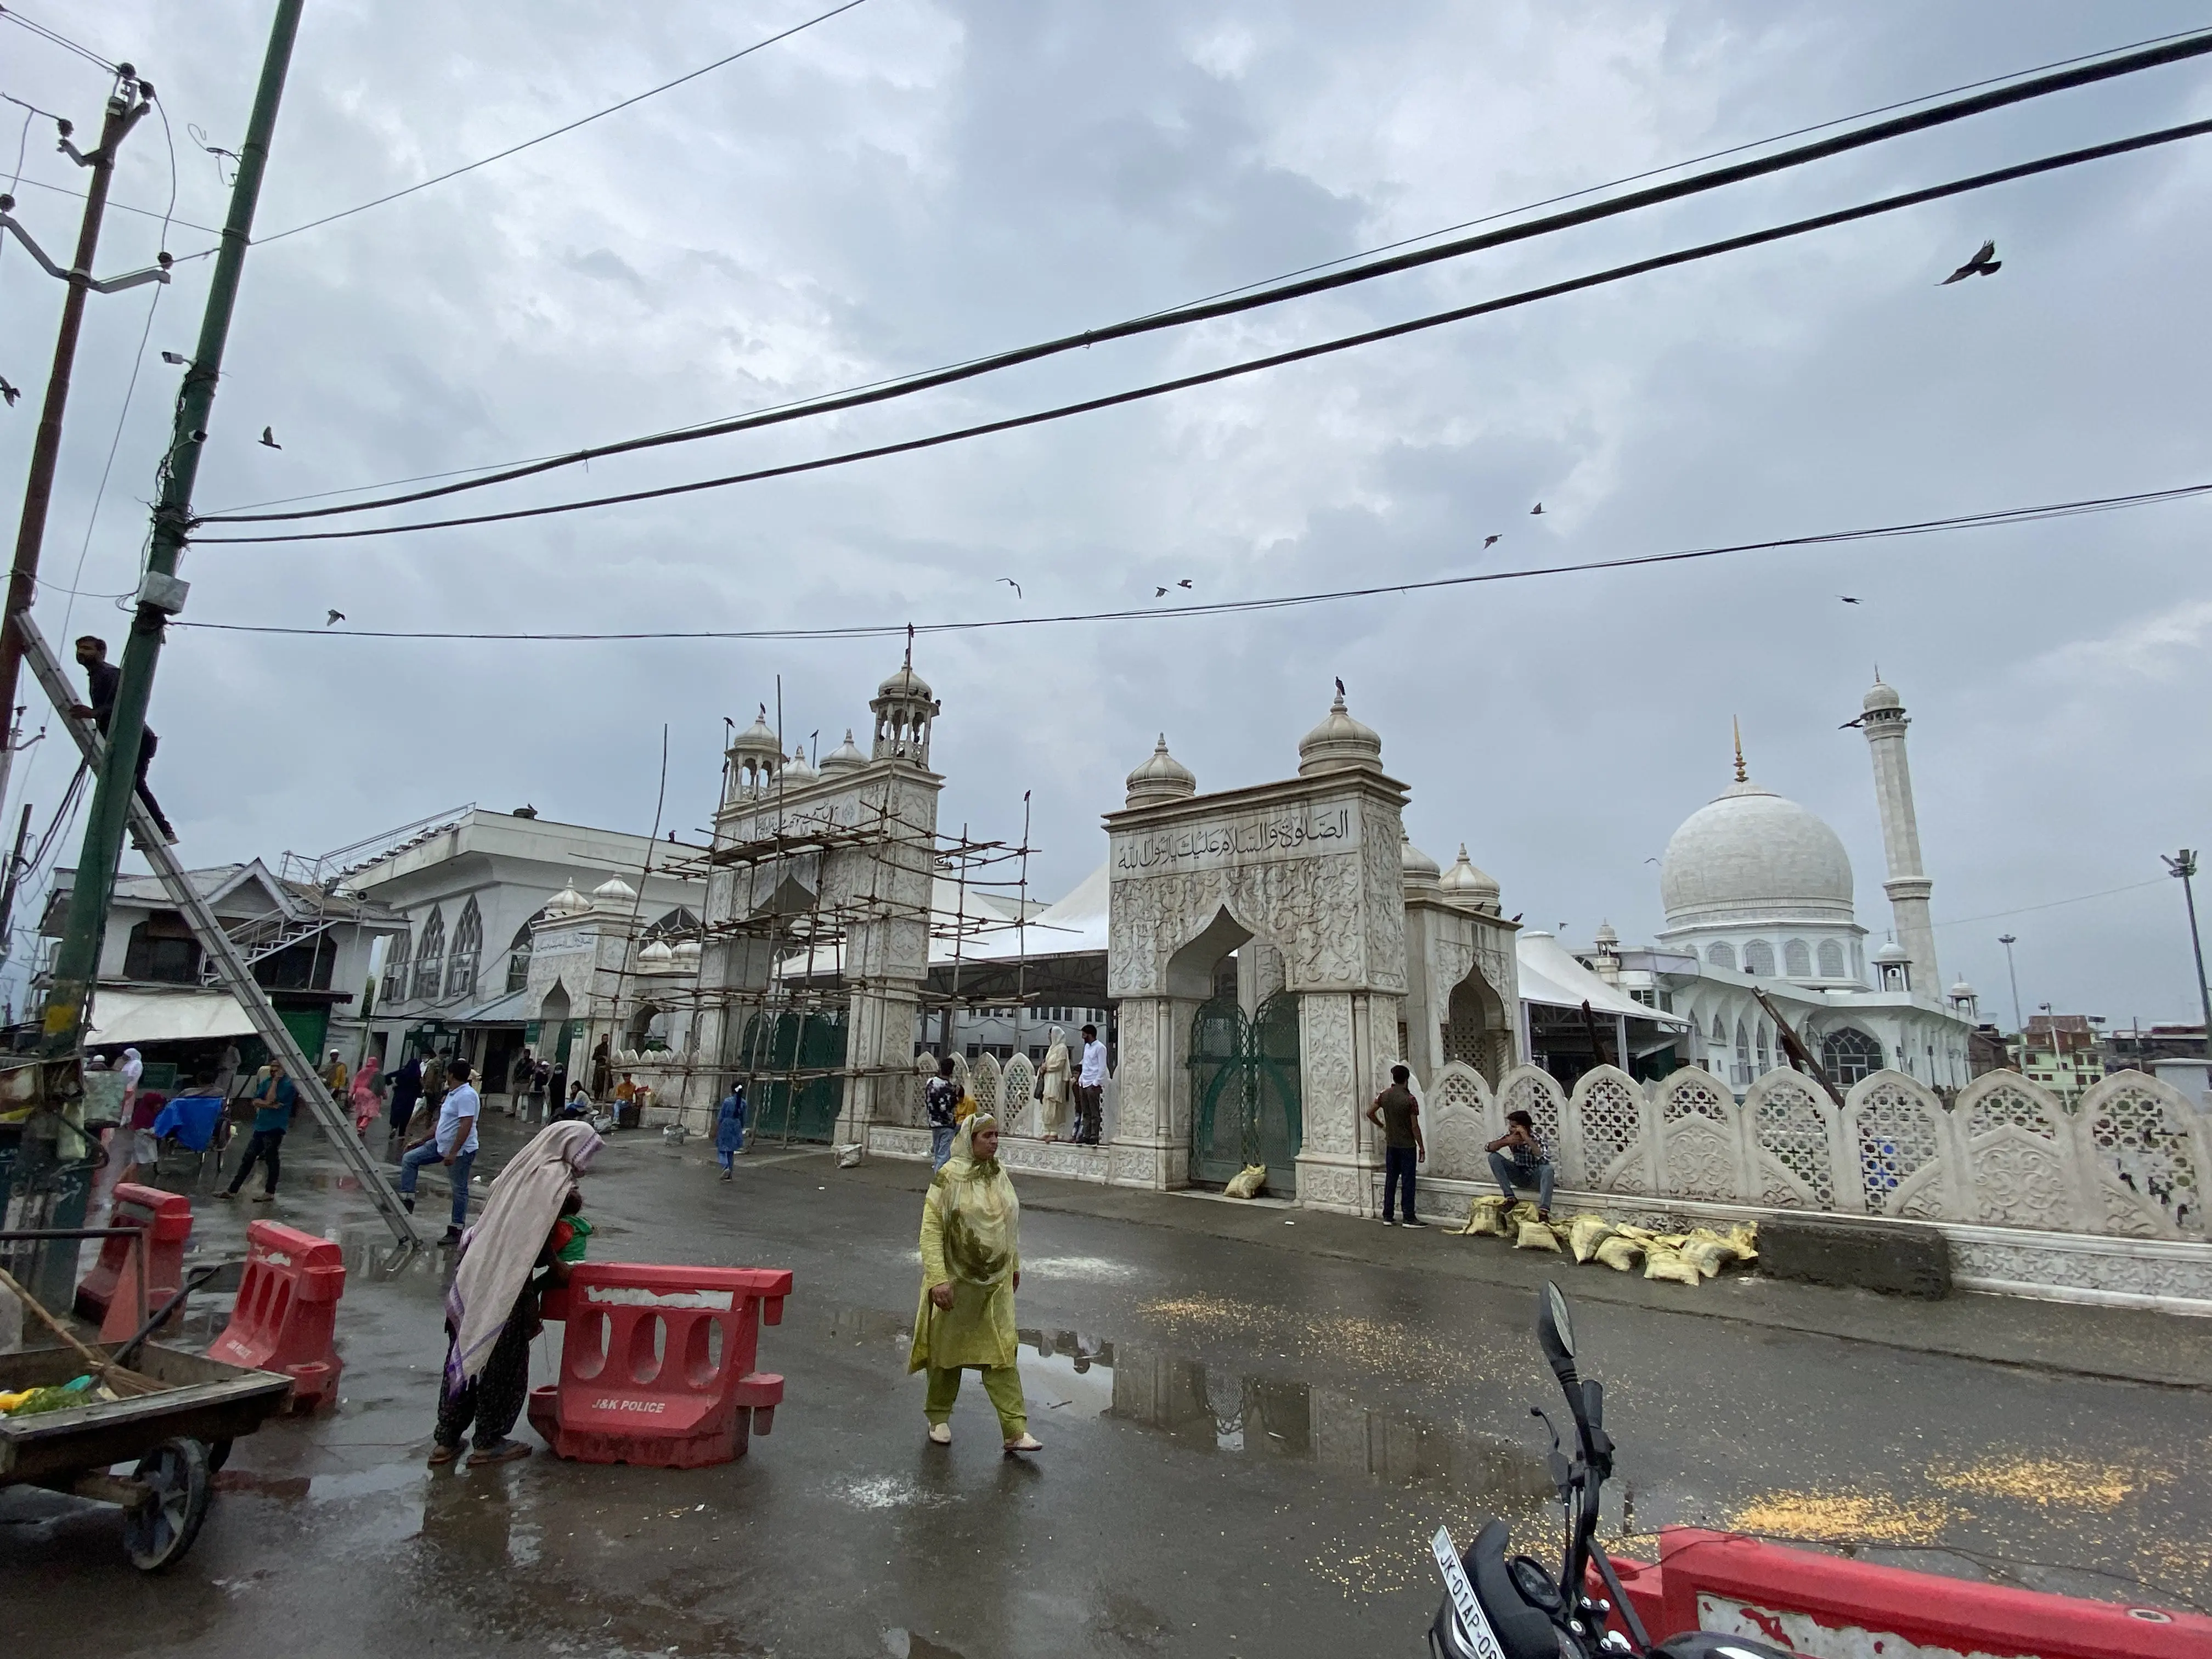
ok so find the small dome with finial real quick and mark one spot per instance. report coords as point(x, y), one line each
point(1463, 883)
point(613, 893)
point(567, 903)
point(844, 758)
point(1415, 868)
point(685, 957)
point(1881, 698)
point(1607, 941)
point(797, 771)
point(1161, 779)
point(655, 958)
point(754, 756)
point(1340, 743)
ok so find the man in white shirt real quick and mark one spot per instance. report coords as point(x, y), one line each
point(453, 1144)
point(1090, 1088)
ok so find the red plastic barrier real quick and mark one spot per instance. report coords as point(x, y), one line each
point(148, 1269)
point(287, 1311)
point(657, 1365)
point(1827, 1606)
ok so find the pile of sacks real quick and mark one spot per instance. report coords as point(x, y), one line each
point(1687, 1258)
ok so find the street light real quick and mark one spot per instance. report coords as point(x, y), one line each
point(2008, 940)
point(2183, 867)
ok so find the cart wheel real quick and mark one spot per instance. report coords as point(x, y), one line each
point(218, 1454)
point(161, 1529)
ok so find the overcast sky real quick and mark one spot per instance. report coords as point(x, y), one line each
point(912, 184)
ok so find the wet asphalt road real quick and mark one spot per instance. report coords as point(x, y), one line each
point(1247, 1445)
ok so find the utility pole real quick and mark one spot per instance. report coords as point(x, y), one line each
point(8, 888)
point(126, 106)
point(2008, 940)
point(161, 594)
point(2183, 867)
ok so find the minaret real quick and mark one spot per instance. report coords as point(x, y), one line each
point(1908, 886)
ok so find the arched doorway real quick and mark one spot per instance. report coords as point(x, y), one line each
point(1476, 1032)
point(1243, 1065)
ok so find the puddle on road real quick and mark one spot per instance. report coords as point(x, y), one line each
point(1257, 1416)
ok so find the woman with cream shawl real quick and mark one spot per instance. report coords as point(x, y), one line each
point(971, 1266)
point(491, 1310)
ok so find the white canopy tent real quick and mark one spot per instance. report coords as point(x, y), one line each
point(136, 1017)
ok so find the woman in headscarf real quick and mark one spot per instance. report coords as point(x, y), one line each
point(729, 1127)
point(366, 1101)
point(491, 1310)
point(971, 1266)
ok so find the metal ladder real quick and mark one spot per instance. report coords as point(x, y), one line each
point(235, 973)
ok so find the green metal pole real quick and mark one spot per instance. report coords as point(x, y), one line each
point(76, 963)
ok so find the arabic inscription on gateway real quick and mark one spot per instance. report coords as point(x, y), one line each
point(1298, 833)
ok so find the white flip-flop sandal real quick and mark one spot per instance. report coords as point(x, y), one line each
point(940, 1434)
point(1027, 1442)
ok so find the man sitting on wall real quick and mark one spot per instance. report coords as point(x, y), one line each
point(1517, 1158)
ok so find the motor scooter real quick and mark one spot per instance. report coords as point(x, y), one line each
point(1496, 1606)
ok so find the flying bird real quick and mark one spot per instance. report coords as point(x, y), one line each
point(1847, 598)
point(1535, 510)
point(269, 437)
point(1185, 582)
point(1159, 593)
point(1011, 583)
point(336, 617)
point(1985, 262)
point(1848, 725)
point(11, 392)
point(1489, 541)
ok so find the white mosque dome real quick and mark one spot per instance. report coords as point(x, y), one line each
point(1161, 779)
point(1881, 697)
point(567, 903)
point(1466, 885)
point(905, 683)
point(1415, 868)
point(796, 771)
point(655, 959)
point(844, 758)
point(757, 740)
point(1340, 743)
point(614, 891)
point(685, 957)
point(1750, 855)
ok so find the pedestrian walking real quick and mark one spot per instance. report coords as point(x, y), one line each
point(518, 1081)
point(971, 1267)
point(453, 1144)
point(1517, 1159)
point(335, 1076)
point(1052, 1087)
point(273, 1097)
point(940, 1103)
point(406, 1091)
point(729, 1127)
point(491, 1308)
point(1090, 1088)
point(367, 1101)
point(541, 1083)
point(102, 676)
point(1400, 1116)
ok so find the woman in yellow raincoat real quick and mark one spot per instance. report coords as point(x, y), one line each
point(971, 1266)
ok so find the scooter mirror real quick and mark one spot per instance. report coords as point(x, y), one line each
point(1558, 1320)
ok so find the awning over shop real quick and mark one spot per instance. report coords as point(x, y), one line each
point(507, 1009)
point(134, 1016)
point(1550, 974)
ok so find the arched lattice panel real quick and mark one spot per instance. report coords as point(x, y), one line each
point(1896, 1136)
point(1532, 1089)
point(1017, 1091)
point(983, 1084)
point(2022, 1163)
point(2146, 1177)
point(1793, 1125)
point(1701, 1138)
point(1457, 1112)
point(1611, 1133)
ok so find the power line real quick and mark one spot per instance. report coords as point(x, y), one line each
point(1986, 520)
point(61, 40)
point(166, 219)
point(2053, 904)
point(582, 121)
point(1301, 354)
point(1326, 264)
point(2194, 46)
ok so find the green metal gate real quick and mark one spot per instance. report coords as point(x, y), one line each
point(783, 1059)
point(1244, 1091)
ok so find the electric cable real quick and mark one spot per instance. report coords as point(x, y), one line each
point(1488, 218)
point(2194, 46)
point(1252, 365)
point(2053, 904)
point(1283, 601)
point(62, 40)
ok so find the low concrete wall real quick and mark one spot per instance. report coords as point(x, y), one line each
point(1023, 1154)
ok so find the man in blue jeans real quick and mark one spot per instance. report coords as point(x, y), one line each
point(453, 1144)
point(1517, 1158)
point(273, 1099)
point(1400, 1115)
point(941, 1099)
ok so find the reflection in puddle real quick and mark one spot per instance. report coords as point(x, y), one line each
point(1079, 1374)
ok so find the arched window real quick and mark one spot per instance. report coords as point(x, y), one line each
point(680, 923)
point(430, 959)
point(1720, 1031)
point(1759, 959)
point(518, 955)
point(1765, 1050)
point(1796, 960)
point(1721, 954)
point(1742, 1056)
point(1832, 959)
point(468, 949)
point(395, 970)
point(1850, 1055)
